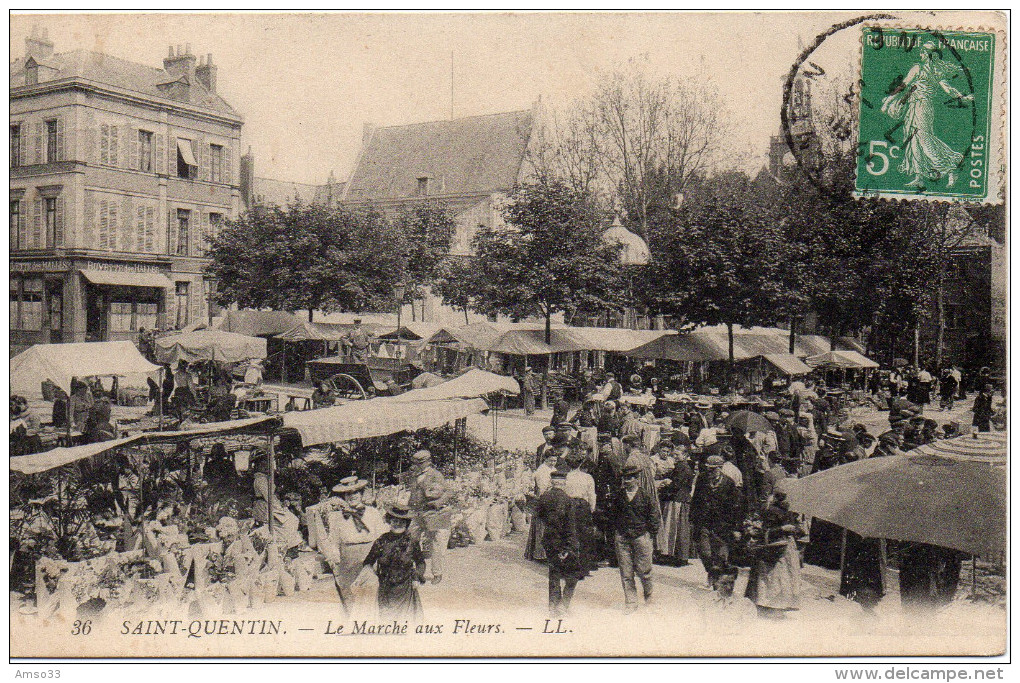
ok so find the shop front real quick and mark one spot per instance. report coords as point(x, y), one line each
point(119, 305)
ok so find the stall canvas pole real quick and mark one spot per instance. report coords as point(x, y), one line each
point(272, 481)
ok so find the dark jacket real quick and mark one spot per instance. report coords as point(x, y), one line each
point(554, 509)
point(982, 407)
point(679, 488)
point(715, 506)
point(634, 517)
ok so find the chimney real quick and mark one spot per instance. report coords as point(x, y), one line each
point(366, 133)
point(38, 44)
point(206, 73)
point(183, 62)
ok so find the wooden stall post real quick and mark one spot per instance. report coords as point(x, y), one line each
point(272, 481)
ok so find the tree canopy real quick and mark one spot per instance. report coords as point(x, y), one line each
point(307, 258)
point(549, 258)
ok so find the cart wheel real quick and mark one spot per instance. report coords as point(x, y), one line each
point(347, 387)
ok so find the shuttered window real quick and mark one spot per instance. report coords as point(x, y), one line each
point(37, 225)
point(52, 148)
point(16, 159)
point(50, 206)
point(15, 224)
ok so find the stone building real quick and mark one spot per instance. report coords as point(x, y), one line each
point(119, 174)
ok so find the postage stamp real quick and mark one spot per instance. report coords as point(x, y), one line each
point(928, 122)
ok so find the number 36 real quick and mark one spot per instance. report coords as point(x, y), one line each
point(874, 152)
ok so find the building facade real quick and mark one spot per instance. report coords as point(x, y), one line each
point(120, 173)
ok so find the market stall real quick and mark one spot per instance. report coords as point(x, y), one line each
point(209, 345)
point(58, 363)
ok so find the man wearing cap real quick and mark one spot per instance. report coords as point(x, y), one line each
point(697, 420)
point(359, 341)
point(636, 521)
point(561, 542)
point(715, 517)
point(541, 481)
point(429, 501)
point(561, 408)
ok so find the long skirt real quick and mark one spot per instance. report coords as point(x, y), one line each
point(861, 579)
point(774, 581)
point(400, 601)
point(674, 539)
point(534, 549)
point(823, 550)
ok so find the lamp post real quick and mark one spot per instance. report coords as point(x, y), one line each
point(399, 290)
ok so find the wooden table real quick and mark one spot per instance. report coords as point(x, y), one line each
point(298, 401)
point(260, 404)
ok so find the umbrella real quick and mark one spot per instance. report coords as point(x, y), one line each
point(955, 502)
point(748, 421)
point(987, 447)
point(900, 362)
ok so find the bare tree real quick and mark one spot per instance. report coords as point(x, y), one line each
point(654, 130)
point(567, 149)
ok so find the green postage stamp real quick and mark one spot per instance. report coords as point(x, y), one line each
point(930, 114)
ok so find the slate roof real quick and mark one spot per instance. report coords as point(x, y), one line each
point(119, 73)
point(473, 155)
point(283, 193)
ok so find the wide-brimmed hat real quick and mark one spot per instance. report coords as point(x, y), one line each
point(421, 456)
point(714, 461)
point(399, 512)
point(701, 405)
point(350, 485)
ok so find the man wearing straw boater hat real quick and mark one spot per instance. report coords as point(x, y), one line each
point(429, 501)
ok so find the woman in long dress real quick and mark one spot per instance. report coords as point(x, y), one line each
point(674, 539)
point(399, 562)
point(773, 584)
point(925, 155)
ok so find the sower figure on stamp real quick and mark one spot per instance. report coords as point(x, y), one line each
point(429, 501)
point(636, 522)
point(925, 156)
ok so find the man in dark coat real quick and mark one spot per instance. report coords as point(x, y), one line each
point(562, 543)
point(636, 521)
point(715, 517)
point(983, 409)
point(528, 389)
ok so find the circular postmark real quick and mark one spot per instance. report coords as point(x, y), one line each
point(798, 144)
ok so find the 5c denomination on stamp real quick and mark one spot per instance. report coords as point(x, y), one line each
point(928, 123)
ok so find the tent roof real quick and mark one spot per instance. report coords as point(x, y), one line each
point(377, 417)
point(532, 343)
point(608, 338)
point(841, 359)
point(41, 462)
point(217, 345)
point(412, 331)
point(60, 362)
point(472, 384)
point(259, 323)
point(848, 344)
point(306, 331)
point(787, 363)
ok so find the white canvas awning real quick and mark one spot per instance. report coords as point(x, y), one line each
point(184, 147)
point(377, 417)
point(126, 279)
point(58, 363)
point(472, 384)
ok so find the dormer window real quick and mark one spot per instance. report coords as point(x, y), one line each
point(31, 73)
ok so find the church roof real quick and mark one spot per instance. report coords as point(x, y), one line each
point(473, 155)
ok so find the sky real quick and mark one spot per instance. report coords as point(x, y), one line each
point(307, 83)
